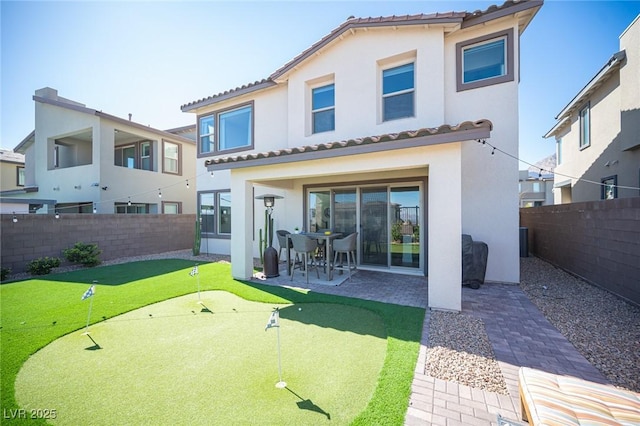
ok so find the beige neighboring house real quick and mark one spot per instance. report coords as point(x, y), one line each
point(86, 161)
point(11, 170)
point(374, 126)
point(535, 189)
point(598, 133)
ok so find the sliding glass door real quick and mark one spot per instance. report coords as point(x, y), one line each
point(373, 226)
point(386, 217)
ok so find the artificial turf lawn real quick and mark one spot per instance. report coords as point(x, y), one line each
point(30, 308)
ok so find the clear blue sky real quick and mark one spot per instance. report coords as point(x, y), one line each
point(148, 58)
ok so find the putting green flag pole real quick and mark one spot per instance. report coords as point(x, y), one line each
point(274, 321)
point(195, 272)
point(89, 295)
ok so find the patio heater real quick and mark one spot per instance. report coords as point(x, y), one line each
point(270, 263)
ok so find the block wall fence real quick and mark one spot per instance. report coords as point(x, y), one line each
point(598, 241)
point(117, 235)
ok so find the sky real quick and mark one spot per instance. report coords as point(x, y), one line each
point(148, 58)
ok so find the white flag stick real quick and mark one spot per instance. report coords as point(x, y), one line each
point(280, 384)
point(86, 330)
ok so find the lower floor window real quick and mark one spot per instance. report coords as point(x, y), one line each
point(169, 207)
point(215, 213)
point(609, 188)
point(131, 208)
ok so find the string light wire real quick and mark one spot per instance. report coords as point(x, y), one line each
point(553, 172)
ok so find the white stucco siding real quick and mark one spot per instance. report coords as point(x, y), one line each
point(354, 65)
point(52, 122)
point(489, 182)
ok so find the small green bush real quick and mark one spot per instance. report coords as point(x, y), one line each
point(85, 254)
point(4, 273)
point(43, 265)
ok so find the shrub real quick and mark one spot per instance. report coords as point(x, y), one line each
point(85, 254)
point(43, 265)
point(4, 273)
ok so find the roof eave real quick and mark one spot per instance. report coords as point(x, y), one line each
point(25, 143)
point(468, 130)
point(211, 100)
point(505, 10)
point(613, 63)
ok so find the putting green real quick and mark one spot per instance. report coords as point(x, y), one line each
point(178, 362)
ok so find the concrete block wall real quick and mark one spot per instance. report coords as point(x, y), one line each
point(117, 235)
point(598, 241)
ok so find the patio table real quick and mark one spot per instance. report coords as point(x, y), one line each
point(328, 252)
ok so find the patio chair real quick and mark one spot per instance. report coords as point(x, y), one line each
point(282, 241)
point(346, 245)
point(305, 247)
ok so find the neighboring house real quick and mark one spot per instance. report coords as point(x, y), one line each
point(89, 161)
point(535, 184)
point(598, 133)
point(11, 170)
point(375, 129)
point(535, 190)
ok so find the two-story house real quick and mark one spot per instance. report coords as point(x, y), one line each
point(11, 170)
point(87, 161)
point(598, 133)
point(381, 117)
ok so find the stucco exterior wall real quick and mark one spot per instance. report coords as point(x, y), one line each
point(84, 183)
point(489, 182)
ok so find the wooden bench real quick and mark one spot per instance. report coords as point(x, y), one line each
point(550, 399)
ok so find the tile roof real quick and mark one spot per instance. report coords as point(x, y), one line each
point(444, 129)
point(464, 19)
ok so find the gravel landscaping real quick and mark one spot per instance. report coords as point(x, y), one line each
point(459, 351)
point(604, 328)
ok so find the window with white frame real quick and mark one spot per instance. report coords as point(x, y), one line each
point(485, 60)
point(170, 207)
point(585, 126)
point(323, 108)
point(171, 163)
point(398, 84)
point(20, 177)
point(234, 130)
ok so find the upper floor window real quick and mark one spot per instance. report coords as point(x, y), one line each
point(398, 92)
point(323, 108)
point(20, 179)
point(207, 127)
point(609, 188)
point(137, 155)
point(485, 60)
point(171, 163)
point(235, 130)
point(585, 127)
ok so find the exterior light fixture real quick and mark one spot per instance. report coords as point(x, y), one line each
point(159, 193)
point(57, 215)
point(187, 183)
point(211, 173)
point(95, 209)
point(15, 218)
point(129, 202)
